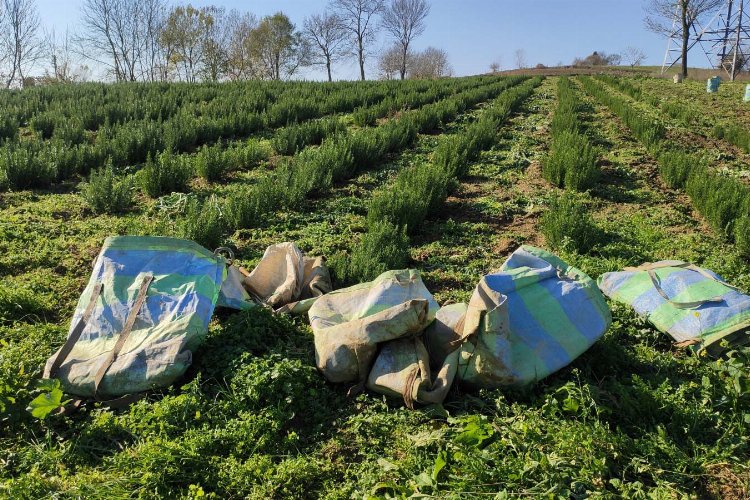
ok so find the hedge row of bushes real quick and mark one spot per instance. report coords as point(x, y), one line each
point(311, 171)
point(342, 157)
point(724, 201)
point(128, 139)
point(96, 105)
point(685, 114)
point(571, 162)
point(367, 115)
point(295, 137)
point(399, 208)
point(649, 132)
point(734, 134)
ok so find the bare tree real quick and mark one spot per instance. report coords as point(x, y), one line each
point(20, 35)
point(660, 13)
point(4, 48)
point(430, 63)
point(633, 56)
point(389, 62)
point(63, 67)
point(358, 19)
point(111, 36)
point(496, 65)
point(404, 20)
point(327, 37)
point(520, 58)
point(240, 62)
point(154, 60)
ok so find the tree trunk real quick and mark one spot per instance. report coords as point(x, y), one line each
point(328, 67)
point(404, 52)
point(685, 38)
point(361, 54)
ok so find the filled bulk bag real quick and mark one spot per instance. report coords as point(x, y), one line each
point(145, 309)
point(692, 304)
point(349, 324)
point(287, 280)
point(402, 369)
point(525, 322)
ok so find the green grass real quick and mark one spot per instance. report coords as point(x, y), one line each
point(632, 417)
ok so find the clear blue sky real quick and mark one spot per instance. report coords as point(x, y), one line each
point(474, 32)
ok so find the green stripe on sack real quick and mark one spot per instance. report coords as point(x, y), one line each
point(158, 243)
point(122, 288)
point(640, 283)
point(548, 312)
point(522, 351)
point(189, 326)
point(666, 315)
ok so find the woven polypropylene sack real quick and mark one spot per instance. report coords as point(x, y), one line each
point(692, 304)
point(350, 323)
point(181, 282)
point(525, 322)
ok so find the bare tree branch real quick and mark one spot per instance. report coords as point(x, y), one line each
point(20, 36)
point(358, 19)
point(404, 21)
point(633, 56)
point(660, 16)
point(327, 37)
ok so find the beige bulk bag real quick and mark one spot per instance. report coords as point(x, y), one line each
point(349, 324)
point(402, 367)
point(287, 280)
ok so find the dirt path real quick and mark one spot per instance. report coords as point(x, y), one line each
point(721, 154)
point(644, 220)
point(334, 222)
point(494, 209)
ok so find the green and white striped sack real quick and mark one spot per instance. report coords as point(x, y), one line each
point(523, 323)
point(692, 304)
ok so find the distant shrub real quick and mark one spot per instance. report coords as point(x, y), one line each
point(739, 136)
point(408, 201)
point(69, 131)
point(742, 235)
point(366, 148)
point(719, 198)
point(384, 247)
point(365, 116)
point(246, 207)
point(293, 138)
point(167, 174)
point(210, 163)
point(571, 162)
point(315, 170)
point(290, 110)
point(676, 166)
point(203, 223)
point(568, 224)
point(43, 124)
point(25, 167)
point(452, 155)
point(247, 154)
point(648, 131)
point(105, 192)
point(8, 127)
point(397, 135)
